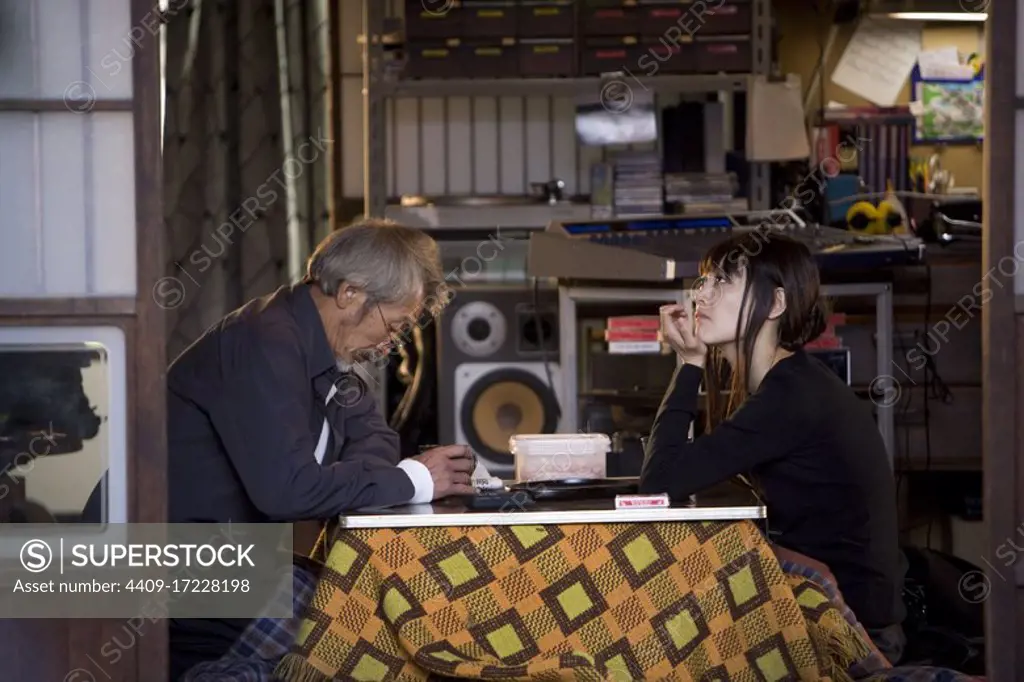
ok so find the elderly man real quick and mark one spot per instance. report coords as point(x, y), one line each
point(264, 422)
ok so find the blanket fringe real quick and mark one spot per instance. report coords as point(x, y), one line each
point(840, 649)
point(295, 668)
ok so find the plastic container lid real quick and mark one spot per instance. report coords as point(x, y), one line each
point(549, 444)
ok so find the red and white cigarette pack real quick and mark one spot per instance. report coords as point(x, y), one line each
point(634, 323)
point(641, 501)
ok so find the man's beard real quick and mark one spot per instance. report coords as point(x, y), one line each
point(373, 355)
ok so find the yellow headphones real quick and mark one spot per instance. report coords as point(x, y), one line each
point(887, 217)
point(863, 217)
point(891, 216)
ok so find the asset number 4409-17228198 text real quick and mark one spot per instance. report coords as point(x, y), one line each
point(181, 585)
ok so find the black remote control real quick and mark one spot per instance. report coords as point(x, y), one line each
point(497, 500)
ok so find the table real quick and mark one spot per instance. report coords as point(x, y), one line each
point(722, 503)
point(568, 590)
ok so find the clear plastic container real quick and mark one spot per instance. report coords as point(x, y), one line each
point(546, 457)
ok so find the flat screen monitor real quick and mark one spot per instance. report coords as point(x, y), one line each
point(621, 114)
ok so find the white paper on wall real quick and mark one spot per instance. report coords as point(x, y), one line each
point(879, 59)
point(776, 125)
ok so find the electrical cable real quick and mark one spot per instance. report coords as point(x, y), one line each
point(906, 403)
point(934, 389)
point(542, 345)
point(901, 422)
point(927, 415)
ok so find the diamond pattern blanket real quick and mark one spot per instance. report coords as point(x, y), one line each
point(621, 602)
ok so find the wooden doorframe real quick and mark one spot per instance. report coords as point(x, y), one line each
point(147, 470)
point(62, 649)
point(1002, 354)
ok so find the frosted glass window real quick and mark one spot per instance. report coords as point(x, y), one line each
point(57, 47)
point(67, 201)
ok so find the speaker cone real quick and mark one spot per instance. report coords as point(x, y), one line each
point(504, 403)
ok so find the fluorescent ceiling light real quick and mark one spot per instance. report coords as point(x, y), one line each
point(939, 16)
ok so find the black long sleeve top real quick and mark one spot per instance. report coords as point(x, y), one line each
point(815, 452)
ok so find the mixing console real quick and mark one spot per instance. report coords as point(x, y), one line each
point(667, 248)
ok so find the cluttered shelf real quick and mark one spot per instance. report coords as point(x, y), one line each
point(596, 86)
point(564, 47)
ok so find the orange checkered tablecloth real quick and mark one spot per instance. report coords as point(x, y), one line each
point(624, 601)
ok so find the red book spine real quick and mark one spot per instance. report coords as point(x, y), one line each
point(630, 335)
point(635, 322)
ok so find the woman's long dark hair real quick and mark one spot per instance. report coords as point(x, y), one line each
point(770, 261)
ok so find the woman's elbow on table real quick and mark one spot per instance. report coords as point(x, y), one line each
point(677, 487)
point(653, 479)
point(651, 486)
point(664, 471)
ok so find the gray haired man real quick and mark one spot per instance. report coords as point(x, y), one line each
point(264, 422)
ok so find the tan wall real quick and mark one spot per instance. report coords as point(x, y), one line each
point(801, 31)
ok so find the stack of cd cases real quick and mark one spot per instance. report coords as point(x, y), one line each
point(639, 187)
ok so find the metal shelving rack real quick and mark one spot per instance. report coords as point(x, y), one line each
point(377, 90)
point(569, 296)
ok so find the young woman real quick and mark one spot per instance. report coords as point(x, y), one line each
point(808, 444)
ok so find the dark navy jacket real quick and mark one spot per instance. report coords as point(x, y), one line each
point(246, 407)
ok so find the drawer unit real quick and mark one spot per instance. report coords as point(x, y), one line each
point(540, 58)
point(665, 56)
point(432, 20)
point(489, 19)
point(610, 54)
point(491, 59)
point(658, 18)
point(552, 19)
point(609, 18)
point(731, 17)
point(434, 59)
point(723, 54)
point(455, 58)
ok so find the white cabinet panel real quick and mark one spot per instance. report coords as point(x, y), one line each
point(67, 205)
point(20, 228)
point(80, 48)
point(62, 192)
point(112, 171)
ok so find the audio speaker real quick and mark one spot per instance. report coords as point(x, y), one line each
point(498, 369)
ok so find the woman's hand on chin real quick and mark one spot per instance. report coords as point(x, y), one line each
point(678, 331)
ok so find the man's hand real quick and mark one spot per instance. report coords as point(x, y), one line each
point(451, 467)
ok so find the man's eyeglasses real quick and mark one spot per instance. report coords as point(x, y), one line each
point(400, 336)
point(396, 338)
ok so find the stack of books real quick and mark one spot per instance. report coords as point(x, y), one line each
point(633, 334)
